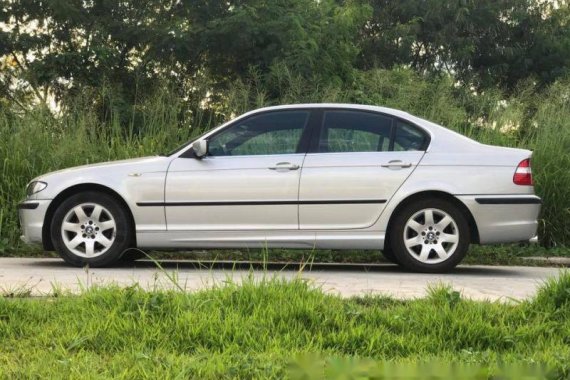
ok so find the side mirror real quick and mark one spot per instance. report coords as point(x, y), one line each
point(200, 148)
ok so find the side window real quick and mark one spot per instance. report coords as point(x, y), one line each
point(269, 133)
point(408, 137)
point(354, 131)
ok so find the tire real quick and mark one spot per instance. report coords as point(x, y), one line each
point(91, 228)
point(131, 255)
point(389, 255)
point(421, 245)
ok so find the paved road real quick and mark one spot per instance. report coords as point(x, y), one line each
point(40, 276)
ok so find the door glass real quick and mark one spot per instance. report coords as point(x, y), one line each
point(408, 137)
point(269, 133)
point(353, 131)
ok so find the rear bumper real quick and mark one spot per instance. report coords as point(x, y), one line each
point(32, 214)
point(504, 218)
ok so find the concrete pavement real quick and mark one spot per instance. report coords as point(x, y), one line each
point(41, 276)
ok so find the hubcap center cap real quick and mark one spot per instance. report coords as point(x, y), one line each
point(89, 229)
point(430, 236)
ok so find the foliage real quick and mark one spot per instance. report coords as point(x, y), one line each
point(487, 43)
point(54, 50)
point(59, 48)
point(256, 329)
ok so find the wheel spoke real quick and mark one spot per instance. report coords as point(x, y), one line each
point(103, 226)
point(428, 216)
point(438, 248)
point(96, 214)
point(78, 239)
point(90, 247)
point(442, 224)
point(72, 227)
point(415, 226)
point(80, 213)
point(412, 242)
point(102, 239)
point(424, 254)
point(448, 238)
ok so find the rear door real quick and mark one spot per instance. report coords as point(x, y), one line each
point(358, 160)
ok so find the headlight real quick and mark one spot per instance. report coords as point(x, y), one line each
point(35, 187)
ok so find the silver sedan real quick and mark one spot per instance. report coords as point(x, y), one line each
point(310, 176)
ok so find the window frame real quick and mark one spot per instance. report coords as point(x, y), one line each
point(316, 134)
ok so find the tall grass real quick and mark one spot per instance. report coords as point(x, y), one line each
point(39, 142)
point(255, 329)
point(552, 162)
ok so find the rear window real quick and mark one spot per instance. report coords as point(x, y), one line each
point(353, 131)
point(360, 131)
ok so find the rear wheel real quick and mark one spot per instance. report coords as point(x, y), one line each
point(430, 235)
point(132, 255)
point(92, 229)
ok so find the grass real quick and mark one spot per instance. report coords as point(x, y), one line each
point(265, 329)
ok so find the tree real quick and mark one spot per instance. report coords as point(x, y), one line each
point(483, 42)
point(61, 45)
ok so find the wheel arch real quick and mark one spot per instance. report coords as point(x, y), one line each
point(473, 229)
point(76, 189)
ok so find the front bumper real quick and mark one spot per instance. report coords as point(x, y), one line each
point(504, 218)
point(32, 214)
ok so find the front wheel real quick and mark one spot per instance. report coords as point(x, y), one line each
point(92, 229)
point(430, 235)
point(389, 255)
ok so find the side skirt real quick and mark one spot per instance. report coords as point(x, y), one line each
point(261, 239)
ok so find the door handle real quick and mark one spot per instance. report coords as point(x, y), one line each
point(397, 164)
point(284, 166)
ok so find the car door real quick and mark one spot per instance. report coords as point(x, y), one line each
point(357, 161)
point(248, 181)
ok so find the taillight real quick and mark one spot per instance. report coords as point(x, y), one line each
point(523, 174)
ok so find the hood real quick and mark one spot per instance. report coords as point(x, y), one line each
point(139, 165)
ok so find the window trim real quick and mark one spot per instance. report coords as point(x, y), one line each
point(315, 137)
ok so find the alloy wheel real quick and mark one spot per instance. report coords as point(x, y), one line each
point(431, 236)
point(88, 230)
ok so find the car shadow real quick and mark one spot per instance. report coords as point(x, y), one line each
point(168, 264)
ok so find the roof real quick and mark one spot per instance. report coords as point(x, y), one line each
point(387, 110)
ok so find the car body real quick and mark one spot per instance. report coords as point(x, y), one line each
point(323, 176)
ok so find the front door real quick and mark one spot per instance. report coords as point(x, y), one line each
point(248, 181)
point(357, 163)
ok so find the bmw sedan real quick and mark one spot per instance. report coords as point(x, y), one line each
point(309, 176)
